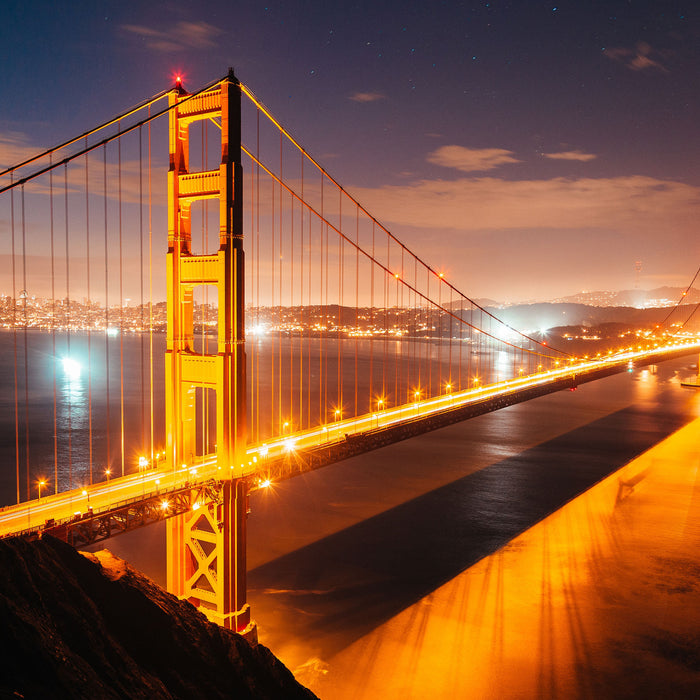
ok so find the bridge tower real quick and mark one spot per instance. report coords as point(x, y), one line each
point(206, 547)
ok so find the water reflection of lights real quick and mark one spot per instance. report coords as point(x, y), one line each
point(71, 368)
point(258, 330)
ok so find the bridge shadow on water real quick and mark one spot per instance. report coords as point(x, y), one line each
point(337, 589)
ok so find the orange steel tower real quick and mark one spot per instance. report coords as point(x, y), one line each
point(207, 546)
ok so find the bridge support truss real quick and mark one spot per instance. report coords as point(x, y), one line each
point(207, 545)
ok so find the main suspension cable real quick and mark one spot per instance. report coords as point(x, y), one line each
point(248, 92)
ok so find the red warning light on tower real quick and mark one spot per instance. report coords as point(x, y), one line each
point(178, 77)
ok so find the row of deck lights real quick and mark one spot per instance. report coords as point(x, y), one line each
point(476, 381)
point(263, 451)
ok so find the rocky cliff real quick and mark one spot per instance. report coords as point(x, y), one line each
point(89, 626)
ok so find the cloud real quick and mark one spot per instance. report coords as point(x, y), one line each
point(15, 148)
point(634, 204)
point(571, 155)
point(367, 96)
point(471, 159)
point(182, 35)
point(639, 58)
point(125, 182)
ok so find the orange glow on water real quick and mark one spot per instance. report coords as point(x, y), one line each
point(560, 610)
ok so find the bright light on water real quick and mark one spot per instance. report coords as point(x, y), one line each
point(71, 367)
point(259, 329)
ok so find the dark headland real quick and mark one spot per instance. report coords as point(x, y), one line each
point(90, 626)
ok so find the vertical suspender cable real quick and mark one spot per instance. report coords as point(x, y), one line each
point(303, 334)
point(252, 300)
point(257, 276)
point(449, 360)
point(14, 337)
point(202, 308)
point(418, 352)
point(121, 313)
point(385, 285)
point(279, 307)
point(270, 237)
point(278, 422)
point(53, 333)
point(431, 337)
point(26, 339)
point(68, 324)
point(339, 336)
point(107, 366)
point(205, 315)
point(371, 326)
point(150, 289)
point(322, 271)
point(291, 306)
point(439, 337)
point(309, 292)
point(461, 343)
point(357, 299)
point(400, 320)
point(326, 244)
point(142, 327)
point(89, 303)
point(396, 342)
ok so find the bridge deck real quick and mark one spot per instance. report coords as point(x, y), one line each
point(107, 508)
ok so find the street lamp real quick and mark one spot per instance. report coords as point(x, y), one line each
point(108, 473)
point(41, 483)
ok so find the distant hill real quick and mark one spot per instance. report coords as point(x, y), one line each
point(550, 315)
point(639, 298)
point(661, 297)
point(89, 626)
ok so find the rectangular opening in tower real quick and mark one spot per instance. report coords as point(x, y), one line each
point(204, 226)
point(205, 319)
point(205, 420)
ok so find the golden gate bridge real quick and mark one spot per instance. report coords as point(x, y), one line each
point(288, 329)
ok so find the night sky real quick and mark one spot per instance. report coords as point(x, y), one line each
point(529, 149)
